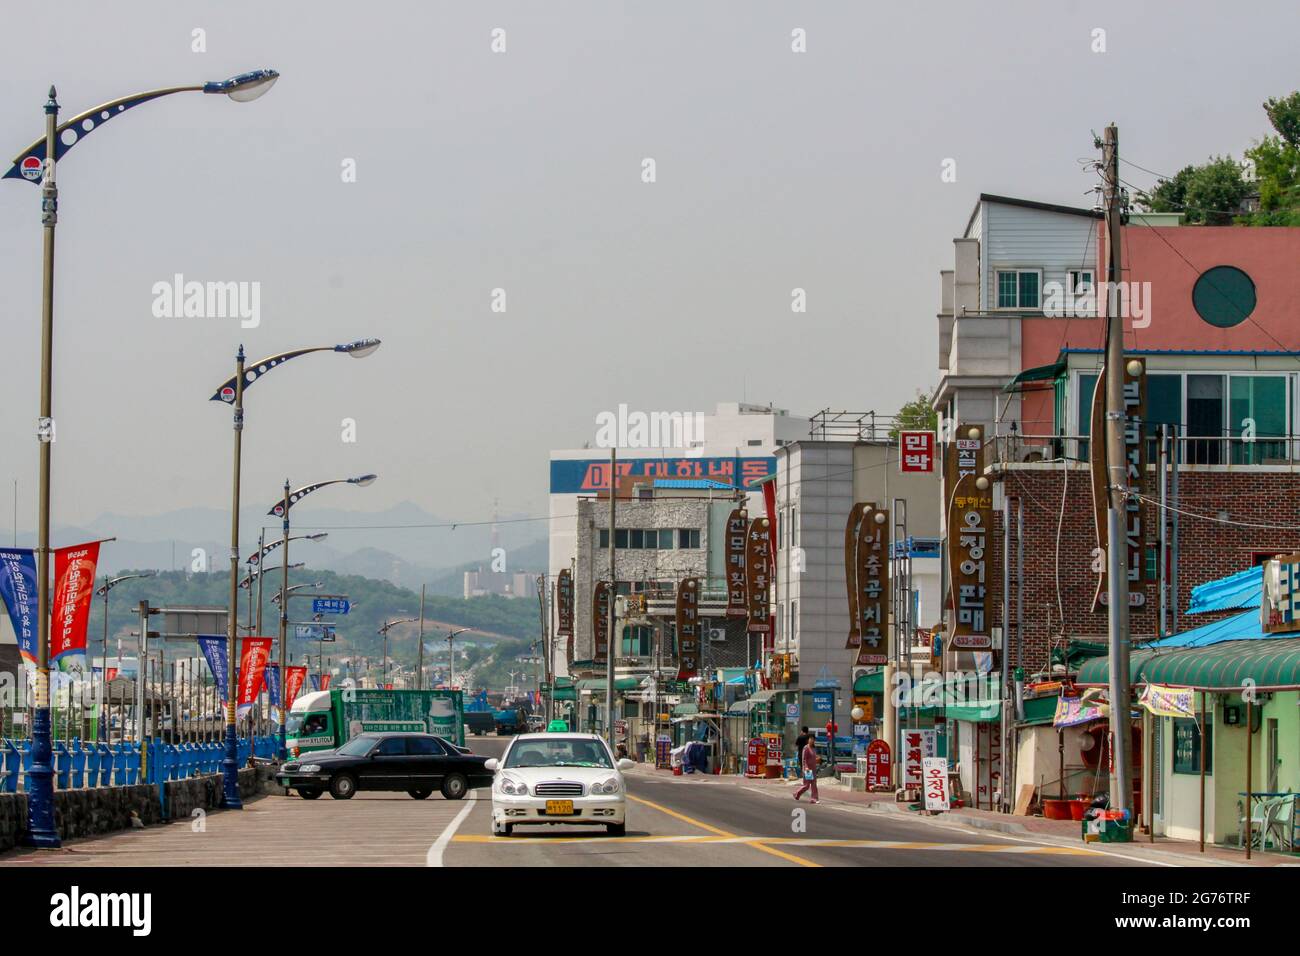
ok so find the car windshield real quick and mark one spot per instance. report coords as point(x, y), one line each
point(559, 752)
point(358, 746)
point(303, 725)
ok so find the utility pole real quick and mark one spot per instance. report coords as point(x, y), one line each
point(1116, 483)
point(546, 646)
point(419, 666)
point(611, 638)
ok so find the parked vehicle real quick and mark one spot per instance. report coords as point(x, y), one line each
point(328, 719)
point(552, 778)
point(415, 763)
point(509, 722)
point(480, 721)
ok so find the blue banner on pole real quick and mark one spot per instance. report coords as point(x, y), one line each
point(18, 590)
point(315, 682)
point(214, 652)
point(273, 684)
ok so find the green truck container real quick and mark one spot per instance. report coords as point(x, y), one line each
point(324, 720)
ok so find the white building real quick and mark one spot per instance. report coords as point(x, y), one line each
point(733, 446)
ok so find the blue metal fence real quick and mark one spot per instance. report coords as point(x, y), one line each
point(79, 764)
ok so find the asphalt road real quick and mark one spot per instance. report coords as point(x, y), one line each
point(703, 821)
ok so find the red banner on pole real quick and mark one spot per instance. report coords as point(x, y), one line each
point(74, 576)
point(254, 652)
point(325, 681)
point(294, 678)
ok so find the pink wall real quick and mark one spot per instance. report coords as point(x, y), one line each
point(1270, 256)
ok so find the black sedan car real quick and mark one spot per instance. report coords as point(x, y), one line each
point(416, 763)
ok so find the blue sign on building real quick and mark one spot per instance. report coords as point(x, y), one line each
point(578, 477)
point(823, 702)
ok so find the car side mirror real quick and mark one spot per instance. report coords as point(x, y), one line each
point(491, 764)
point(626, 764)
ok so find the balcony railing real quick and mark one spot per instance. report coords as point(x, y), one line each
point(1224, 449)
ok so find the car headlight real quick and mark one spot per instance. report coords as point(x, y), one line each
point(606, 786)
point(309, 768)
point(514, 788)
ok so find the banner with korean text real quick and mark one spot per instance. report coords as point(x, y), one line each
point(18, 591)
point(970, 523)
point(74, 585)
point(254, 653)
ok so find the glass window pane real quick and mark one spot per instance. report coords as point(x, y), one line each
point(1257, 408)
point(1029, 290)
point(637, 538)
point(1205, 415)
point(620, 537)
point(1006, 290)
point(604, 539)
point(665, 538)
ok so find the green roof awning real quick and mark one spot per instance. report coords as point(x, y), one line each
point(685, 710)
point(1040, 710)
point(564, 693)
point(599, 683)
point(1271, 664)
point(1039, 373)
point(972, 713)
point(870, 683)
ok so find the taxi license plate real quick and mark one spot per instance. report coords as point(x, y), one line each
point(559, 808)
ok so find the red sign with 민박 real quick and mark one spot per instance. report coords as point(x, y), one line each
point(294, 678)
point(879, 769)
point(916, 452)
point(254, 652)
point(74, 574)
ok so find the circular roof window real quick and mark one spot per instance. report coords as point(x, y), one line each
point(1224, 296)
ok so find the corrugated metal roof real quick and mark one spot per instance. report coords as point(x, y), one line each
point(693, 484)
point(1241, 590)
point(1221, 667)
point(1239, 627)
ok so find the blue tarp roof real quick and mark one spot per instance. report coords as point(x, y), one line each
point(693, 484)
point(1235, 592)
point(1239, 627)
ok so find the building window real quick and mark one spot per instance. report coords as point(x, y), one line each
point(665, 539)
point(794, 623)
point(754, 441)
point(637, 641)
point(1020, 288)
point(636, 538)
point(794, 526)
point(1224, 296)
point(620, 538)
point(688, 537)
point(604, 539)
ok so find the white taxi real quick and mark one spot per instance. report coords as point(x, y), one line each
point(558, 778)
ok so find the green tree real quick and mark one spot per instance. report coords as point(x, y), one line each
point(1209, 194)
point(918, 414)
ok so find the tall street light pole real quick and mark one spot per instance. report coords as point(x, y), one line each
point(37, 163)
point(108, 585)
point(383, 631)
point(451, 655)
point(281, 510)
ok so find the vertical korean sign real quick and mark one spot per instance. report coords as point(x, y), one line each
point(916, 452)
point(294, 677)
point(214, 652)
point(688, 628)
point(564, 607)
point(600, 622)
point(254, 652)
point(851, 573)
point(74, 576)
point(737, 528)
point(934, 771)
point(873, 586)
point(917, 745)
point(272, 678)
point(970, 522)
point(1135, 471)
point(18, 591)
point(758, 581)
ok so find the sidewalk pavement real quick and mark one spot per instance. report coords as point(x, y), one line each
point(1058, 832)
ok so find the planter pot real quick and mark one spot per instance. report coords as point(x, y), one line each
point(1078, 807)
point(1058, 809)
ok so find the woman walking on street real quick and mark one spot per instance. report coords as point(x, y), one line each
point(808, 760)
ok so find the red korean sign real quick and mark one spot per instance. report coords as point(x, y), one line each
point(757, 579)
point(916, 452)
point(74, 575)
point(254, 652)
point(879, 765)
point(934, 773)
point(294, 678)
point(917, 745)
point(737, 529)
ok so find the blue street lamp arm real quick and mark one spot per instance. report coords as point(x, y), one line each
point(255, 370)
point(30, 163)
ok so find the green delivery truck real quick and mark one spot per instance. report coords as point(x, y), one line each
point(326, 719)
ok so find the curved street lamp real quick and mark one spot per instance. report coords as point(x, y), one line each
point(37, 164)
point(383, 631)
point(281, 509)
point(102, 591)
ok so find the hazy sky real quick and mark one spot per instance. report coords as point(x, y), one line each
point(522, 171)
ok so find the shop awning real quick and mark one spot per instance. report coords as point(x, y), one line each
point(685, 710)
point(740, 708)
point(1241, 590)
point(1039, 373)
point(762, 697)
point(598, 683)
point(870, 683)
point(976, 701)
point(1039, 710)
point(1271, 664)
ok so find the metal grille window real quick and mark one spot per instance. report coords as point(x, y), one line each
point(1019, 288)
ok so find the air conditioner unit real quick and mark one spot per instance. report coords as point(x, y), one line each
point(717, 633)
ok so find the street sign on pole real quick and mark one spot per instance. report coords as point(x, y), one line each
point(330, 606)
point(314, 632)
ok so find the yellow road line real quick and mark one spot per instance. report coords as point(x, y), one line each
point(771, 851)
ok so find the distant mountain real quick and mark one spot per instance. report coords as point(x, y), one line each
point(396, 545)
point(531, 557)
